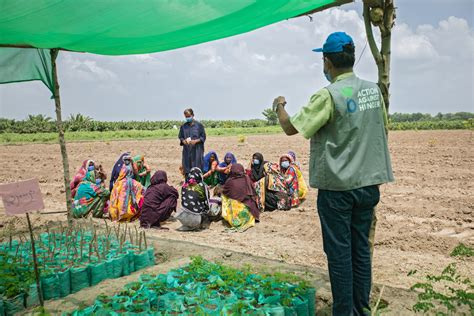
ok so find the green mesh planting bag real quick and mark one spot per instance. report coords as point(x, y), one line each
point(117, 264)
point(171, 302)
point(64, 282)
point(131, 261)
point(98, 272)
point(50, 286)
point(274, 310)
point(14, 305)
point(151, 255)
point(32, 299)
point(79, 279)
point(84, 312)
point(310, 295)
point(212, 307)
point(125, 266)
point(120, 304)
point(109, 267)
point(141, 260)
point(2, 309)
point(301, 306)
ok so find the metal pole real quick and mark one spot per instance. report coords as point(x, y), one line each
point(62, 142)
point(35, 262)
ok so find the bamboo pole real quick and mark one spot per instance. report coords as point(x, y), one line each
point(62, 142)
point(35, 262)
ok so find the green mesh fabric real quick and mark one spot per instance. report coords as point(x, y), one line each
point(19, 64)
point(121, 27)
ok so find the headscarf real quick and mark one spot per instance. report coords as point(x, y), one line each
point(88, 187)
point(207, 161)
point(290, 160)
point(116, 169)
point(292, 156)
point(227, 155)
point(239, 187)
point(160, 199)
point(81, 173)
point(159, 177)
point(194, 195)
point(222, 176)
point(126, 175)
point(257, 172)
point(139, 160)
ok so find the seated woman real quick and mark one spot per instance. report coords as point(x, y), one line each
point(211, 176)
point(302, 187)
point(80, 174)
point(116, 169)
point(143, 171)
point(274, 191)
point(256, 170)
point(159, 202)
point(224, 167)
point(239, 205)
point(90, 198)
point(288, 171)
point(126, 198)
point(194, 202)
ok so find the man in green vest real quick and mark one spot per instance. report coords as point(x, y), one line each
point(346, 122)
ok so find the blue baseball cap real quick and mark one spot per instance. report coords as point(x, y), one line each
point(335, 43)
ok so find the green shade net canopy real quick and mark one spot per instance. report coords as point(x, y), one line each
point(19, 64)
point(122, 27)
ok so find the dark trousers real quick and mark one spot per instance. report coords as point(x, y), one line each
point(346, 217)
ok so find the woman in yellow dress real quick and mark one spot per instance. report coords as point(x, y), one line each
point(239, 200)
point(126, 198)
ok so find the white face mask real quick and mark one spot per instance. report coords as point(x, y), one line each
point(285, 164)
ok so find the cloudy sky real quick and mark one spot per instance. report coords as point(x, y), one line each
point(238, 77)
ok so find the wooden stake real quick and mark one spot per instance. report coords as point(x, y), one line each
point(62, 142)
point(35, 262)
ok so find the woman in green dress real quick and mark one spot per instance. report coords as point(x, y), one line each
point(143, 171)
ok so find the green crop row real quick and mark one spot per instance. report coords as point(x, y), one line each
point(13, 138)
point(42, 124)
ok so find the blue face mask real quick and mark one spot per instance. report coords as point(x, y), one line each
point(256, 162)
point(189, 119)
point(98, 181)
point(285, 164)
point(91, 168)
point(328, 76)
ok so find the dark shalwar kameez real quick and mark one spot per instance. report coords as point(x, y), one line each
point(193, 155)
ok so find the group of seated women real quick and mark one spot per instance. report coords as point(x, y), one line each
point(239, 194)
point(122, 200)
point(279, 186)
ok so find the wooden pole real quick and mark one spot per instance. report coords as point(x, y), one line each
point(380, 13)
point(62, 142)
point(35, 262)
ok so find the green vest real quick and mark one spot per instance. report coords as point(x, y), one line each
point(351, 151)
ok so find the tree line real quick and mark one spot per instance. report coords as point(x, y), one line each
point(81, 123)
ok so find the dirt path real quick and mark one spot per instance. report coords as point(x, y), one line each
point(421, 218)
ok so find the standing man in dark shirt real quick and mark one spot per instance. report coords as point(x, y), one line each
point(192, 137)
